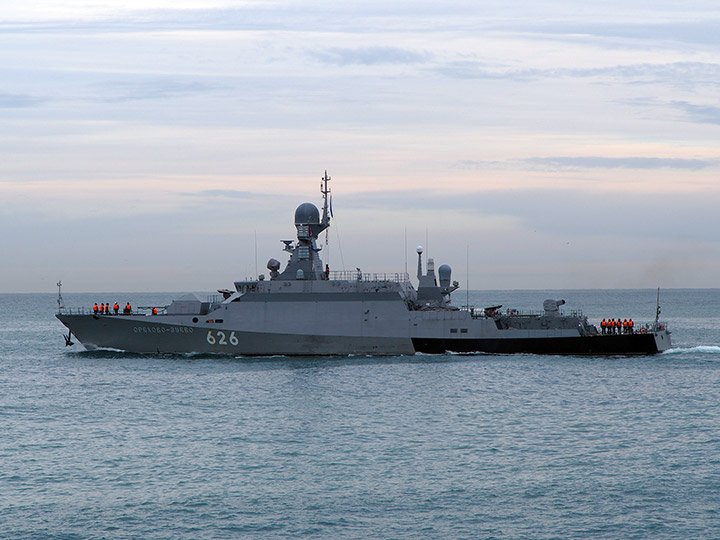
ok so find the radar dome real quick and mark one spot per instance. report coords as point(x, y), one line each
point(307, 214)
point(445, 273)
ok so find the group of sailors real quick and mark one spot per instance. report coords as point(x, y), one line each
point(617, 326)
point(104, 309)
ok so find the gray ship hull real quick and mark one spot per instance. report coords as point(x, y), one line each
point(597, 345)
point(462, 332)
point(142, 336)
point(415, 332)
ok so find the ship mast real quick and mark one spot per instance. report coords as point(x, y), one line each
point(325, 191)
point(60, 301)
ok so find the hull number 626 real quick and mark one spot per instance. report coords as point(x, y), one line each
point(220, 338)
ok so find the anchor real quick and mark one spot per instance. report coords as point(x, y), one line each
point(68, 339)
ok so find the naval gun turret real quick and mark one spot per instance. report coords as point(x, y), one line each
point(273, 265)
point(552, 307)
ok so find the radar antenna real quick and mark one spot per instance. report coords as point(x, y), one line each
point(325, 191)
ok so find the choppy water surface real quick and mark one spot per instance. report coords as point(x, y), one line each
point(110, 445)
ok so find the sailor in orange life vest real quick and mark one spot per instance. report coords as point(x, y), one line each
point(116, 307)
point(127, 309)
point(154, 311)
point(603, 326)
point(95, 308)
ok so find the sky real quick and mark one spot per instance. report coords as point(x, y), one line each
point(162, 145)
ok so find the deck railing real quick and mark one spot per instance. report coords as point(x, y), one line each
point(480, 312)
point(142, 310)
point(350, 275)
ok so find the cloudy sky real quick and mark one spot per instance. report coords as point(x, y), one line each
point(158, 145)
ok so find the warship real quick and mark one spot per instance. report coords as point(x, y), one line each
point(307, 310)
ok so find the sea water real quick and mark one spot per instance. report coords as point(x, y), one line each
point(113, 445)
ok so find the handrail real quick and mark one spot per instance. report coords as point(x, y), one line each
point(141, 310)
point(480, 312)
point(354, 275)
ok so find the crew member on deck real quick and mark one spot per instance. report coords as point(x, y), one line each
point(603, 326)
point(625, 326)
point(116, 307)
point(154, 311)
point(95, 308)
point(127, 309)
point(630, 326)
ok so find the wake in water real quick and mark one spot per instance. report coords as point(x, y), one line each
point(703, 349)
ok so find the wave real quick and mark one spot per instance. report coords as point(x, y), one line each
point(703, 349)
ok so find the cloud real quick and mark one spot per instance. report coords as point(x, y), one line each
point(89, 21)
point(699, 113)
point(179, 117)
point(227, 194)
point(562, 211)
point(481, 165)
point(368, 56)
point(471, 69)
point(679, 74)
point(18, 101)
point(554, 163)
point(595, 162)
point(157, 88)
point(701, 32)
